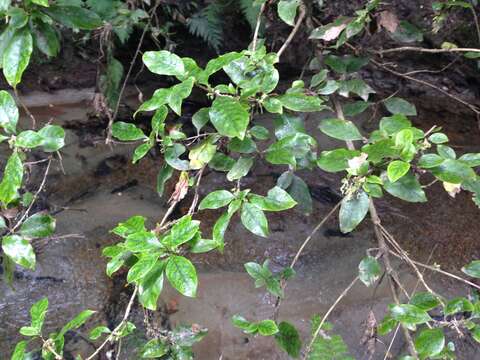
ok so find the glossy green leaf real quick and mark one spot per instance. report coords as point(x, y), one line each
point(458, 305)
point(400, 106)
point(12, 179)
point(253, 218)
point(45, 38)
point(273, 105)
point(429, 343)
point(453, 171)
point(288, 339)
point(277, 199)
point(353, 210)
point(38, 311)
point(369, 270)
point(142, 267)
point(397, 169)
point(301, 102)
point(151, 285)
point(438, 138)
point(394, 123)
point(406, 188)
point(287, 10)
point(340, 129)
point(229, 117)
point(409, 314)
point(127, 131)
point(172, 157)
point(428, 161)
point(76, 322)
point(336, 160)
point(355, 108)
point(200, 118)
point(182, 275)
point(41, 2)
point(163, 176)
point(289, 148)
point(19, 351)
point(98, 331)
point(164, 63)
point(8, 112)
point(267, 328)
point(19, 250)
point(425, 301)
point(201, 154)
point(472, 269)
point(472, 160)
point(17, 56)
point(53, 138)
point(28, 139)
point(240, 168)
point(74, 17)
point(38, 226)
point(154, 349)
point(216, 199)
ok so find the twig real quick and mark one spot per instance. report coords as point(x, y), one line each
point(301, 16)
point(317, 331)
point(195, 197)
point(299, 252)
point(425, 50)
point(25, 108)
point(119, 326)
point(475, 18)
point(456, 98)
point(35, 196)
point(257, 27)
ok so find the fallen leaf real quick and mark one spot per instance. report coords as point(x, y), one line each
point(389, 21)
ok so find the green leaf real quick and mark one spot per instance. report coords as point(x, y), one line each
point(397, 169)
point(98, 331)
point(200, 118)
point(12, 179)
point(201, 154)
point(141, 151)
point(74, 17)
point(430, 342)
point(28, 139)
point(345, 64)
point(288, 339)
point(242, 323)
point(41, 2)
point(399, 106)
point(245, 146)
point(221, 162)
point(386, 325)
point(141, 268)
point(428, 161)
point(425, 301)
point(301, 102)
point(164, 63)
point(17, 56)
point(127, 131)
point(229, 117)
point(76, 322)
point(253, 218)
point(438, 138)
point(18, 18)
point(355, 108)
point(38, 226)
point(406, 188)
point(289, 148)
point(178, 93)
point(19, 352)
point(19, 250)
point(38, 311)
point(240, 168)
point(472, 269)
point(472, 160)
point(45, 38)
point(163, 176)
point(151, 285)
point(216, 200)
point(172, 157)
point(182, 275)
point(217, 64)
point(277, 200)
point(356, 86)
point(53, 138)
point(340, 129)
point(458, 305)
point(394, 123)
point(407, 33)
point(353, 210)
point(453, 171)
point(475, 333)
point(446, 152)
point(142, 241)
point(131, 226)
point(260, 132)
point(183, 231)
point(369, 270)
point(299, 191)
point(336, 160)
point(154, 349)
point(409, 314)
point(273, 105)
point(267, 328)
point(8, 112)
point(287, 10)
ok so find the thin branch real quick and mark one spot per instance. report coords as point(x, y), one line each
point(25, 108)
point(456, 98)
point(257, 27)
point(195, 197)
point(475, 19)
point(119, 326)
point(299, 252)
point(425, 50)
point(319, 328)
point(301, 16)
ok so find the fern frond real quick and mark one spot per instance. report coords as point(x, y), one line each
point(207, 24)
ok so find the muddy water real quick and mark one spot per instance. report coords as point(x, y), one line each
point(101, 188)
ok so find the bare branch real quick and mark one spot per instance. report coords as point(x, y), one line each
point(301, 16)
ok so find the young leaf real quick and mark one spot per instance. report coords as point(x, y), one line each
point(277, 200)
point(151, 285)
point(163, 176)
point(76, 322)
point(12, 179)
point(240, 168)
point(8, 112)
point(267, 327)
point(17, 56)
point(182, 275)
point(472, 269)
point(141, 268)
point(430, 342)
point(98, 331)
point(38, 226)
point(163, 63)
point(38, 311)
point(254, 219)
point(19, 250)
point(287, 10)
point(396, 169)
point(353, 211)
point(340, 129)
point(19, 352)
point(229, 117)
point(183, 231)
point(369, 270)
point(127, 131)
point(53, 138)
point(216, 199)
point(288, 339)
